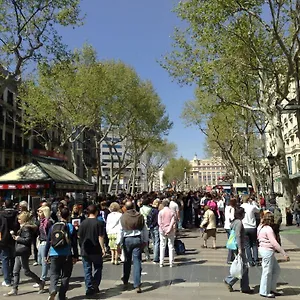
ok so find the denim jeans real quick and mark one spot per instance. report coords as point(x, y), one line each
point(132, 251)
point(251, 245)
point(23, 262)
point(154, 233)
point(297, 218)
point(180, 222)
point(270, 272)
point(41, 261)
point(170, 238)
point(8, 260)
point(245, 279)
point(92, 281)
point(61, 268)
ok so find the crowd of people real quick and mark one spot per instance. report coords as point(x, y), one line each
point(123, 226)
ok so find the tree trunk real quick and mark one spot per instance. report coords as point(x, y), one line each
point(276, 125)
point(73, 156)
point(99, 170)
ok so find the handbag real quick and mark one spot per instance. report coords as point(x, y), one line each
point(231, 243)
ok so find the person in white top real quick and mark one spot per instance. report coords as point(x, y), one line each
point(221, 208)
point(113, 226)
point(175, 208)
point(249, 223)
point(229, 217)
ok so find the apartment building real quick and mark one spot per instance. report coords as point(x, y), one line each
point(292, 149)
point(206, 172)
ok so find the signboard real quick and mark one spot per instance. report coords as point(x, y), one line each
point(30, 186)
point(47, 153)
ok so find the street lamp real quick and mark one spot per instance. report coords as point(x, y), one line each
point(106, 177)
point(185, 179)
point(271, 159)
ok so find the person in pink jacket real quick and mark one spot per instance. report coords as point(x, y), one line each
point(267, 247)
point(166, 223)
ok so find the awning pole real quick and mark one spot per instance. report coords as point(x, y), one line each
point(28, 201)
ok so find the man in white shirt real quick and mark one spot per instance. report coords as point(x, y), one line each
point(175, 208)
point(249, 223)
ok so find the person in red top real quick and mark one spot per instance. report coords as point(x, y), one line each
point(262, 201)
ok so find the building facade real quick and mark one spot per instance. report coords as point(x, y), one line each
point(206, 172)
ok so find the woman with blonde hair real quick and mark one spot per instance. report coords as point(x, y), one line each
point(267, 247)
point(23, 240)
point(113, 226)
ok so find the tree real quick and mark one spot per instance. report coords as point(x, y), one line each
point(156, 157)
point(28, 33)
point(103, 97)
point(174, 172)
point(243, 53)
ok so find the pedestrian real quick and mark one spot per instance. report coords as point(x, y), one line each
point(296, 210)
point(267, 247)
point(62, 250)
point(145, 211)
point(249, 223)
point(237, 226)
point(229, 217)
point(166, 222)
point(44, 225)
point(8, 222)
point(210, 227)
point(91, 240)
point(23, 240)
point(132, 237)
point(113, 226)
point(154, 230)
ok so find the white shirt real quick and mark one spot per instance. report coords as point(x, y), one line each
point(174, 207)
point(221, 205)
point(249, 220)
point(229, 216)
point(113, 225)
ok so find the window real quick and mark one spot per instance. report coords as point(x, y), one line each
point(290, 167)
point(116, 146)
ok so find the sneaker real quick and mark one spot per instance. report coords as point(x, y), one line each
point(41, 287)
point(171, 266)
point(155, 262)
point(36, 286)
point(161, 265)
point(138, 290)
point(52, 296)
point(6, 284)
point(35, 264)
point(13, 292)
point(90, 292)
point(229, 287)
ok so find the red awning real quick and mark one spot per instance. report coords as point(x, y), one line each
point(27, 186)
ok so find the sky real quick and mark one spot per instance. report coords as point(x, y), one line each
point(138, 32)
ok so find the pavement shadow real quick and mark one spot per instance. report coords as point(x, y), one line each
point(187, 263)
point(287, 291)
point(293, 250)
point(148, 287)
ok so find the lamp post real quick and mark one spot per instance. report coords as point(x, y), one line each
point(271, 159)
point(106, 177)
point(185, 179)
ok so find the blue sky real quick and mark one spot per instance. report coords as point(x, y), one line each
point(138, 33)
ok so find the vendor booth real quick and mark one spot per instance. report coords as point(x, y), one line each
point(40, 179)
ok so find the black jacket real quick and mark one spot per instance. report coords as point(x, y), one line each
point(24, 241)
point(11, 216)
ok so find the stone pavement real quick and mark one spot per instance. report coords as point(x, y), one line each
point(197, 274)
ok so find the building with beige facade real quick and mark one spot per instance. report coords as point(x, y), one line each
point(206, 172)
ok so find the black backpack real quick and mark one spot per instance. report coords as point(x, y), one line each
point(179, 247)
point(149, 219)
point(60, 237)
point(4, 231)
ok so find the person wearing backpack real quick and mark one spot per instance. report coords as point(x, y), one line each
point(62, 250)
point(8, 222)
point(23, 239)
